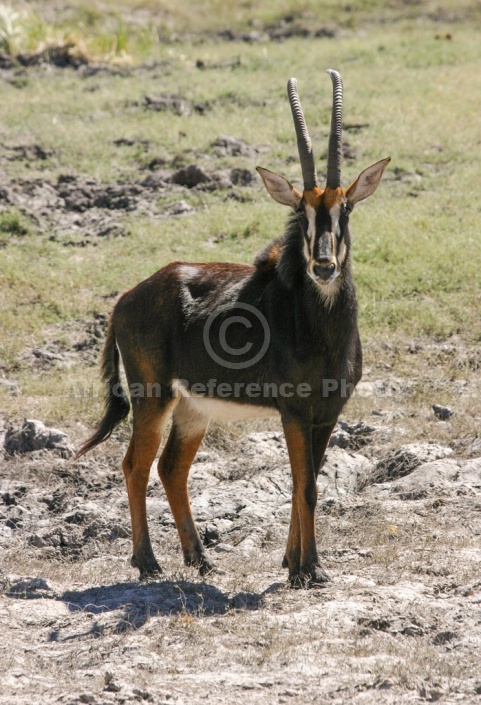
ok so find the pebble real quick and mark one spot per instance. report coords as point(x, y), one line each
point(443, 413)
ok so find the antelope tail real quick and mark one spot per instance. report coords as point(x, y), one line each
point(117, 405)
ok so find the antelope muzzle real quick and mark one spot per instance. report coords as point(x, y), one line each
point(324, 272)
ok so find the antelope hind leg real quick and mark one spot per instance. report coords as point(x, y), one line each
point(188, 430)
point(149, 420)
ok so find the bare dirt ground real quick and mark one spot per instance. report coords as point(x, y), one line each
point(399, 622)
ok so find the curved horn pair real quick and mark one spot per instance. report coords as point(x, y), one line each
point(334, 156)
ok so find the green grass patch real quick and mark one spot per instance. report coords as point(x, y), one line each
point(12, 223)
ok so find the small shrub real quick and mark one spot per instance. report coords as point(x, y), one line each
point(12, 223)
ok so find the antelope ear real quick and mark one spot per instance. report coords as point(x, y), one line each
point(366, 183)
point(279, 188)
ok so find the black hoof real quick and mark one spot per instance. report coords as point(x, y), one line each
point(314, 576)
point(148, 569)
point(206, 567)
point(150, 574)
point(201, 562)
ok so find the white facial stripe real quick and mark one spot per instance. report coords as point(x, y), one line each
point(311, 228)
point(307, 254)
point(340, 247)
point(335, 212)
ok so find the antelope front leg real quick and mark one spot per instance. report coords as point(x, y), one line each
point(292, 556)
point(301, 554)
point(320, 440)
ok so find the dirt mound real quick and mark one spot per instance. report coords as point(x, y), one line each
point(68, 344)
point(175, 104)
point(63, 55)
point(78, 210)
point(288, 28)
point(405, 460)
point(230, 145)
point(34, 435)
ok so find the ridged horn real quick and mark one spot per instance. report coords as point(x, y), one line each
point(334, 155)
point(304, 144)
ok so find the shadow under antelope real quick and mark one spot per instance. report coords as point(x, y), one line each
point(222, 340)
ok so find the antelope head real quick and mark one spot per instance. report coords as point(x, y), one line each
point(323, 213)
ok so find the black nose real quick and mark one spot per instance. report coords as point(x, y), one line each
point(323, 272)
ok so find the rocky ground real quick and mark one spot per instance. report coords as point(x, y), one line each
point(78, 210)
point(398, 532)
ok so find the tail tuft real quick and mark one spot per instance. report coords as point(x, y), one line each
point(117, 405)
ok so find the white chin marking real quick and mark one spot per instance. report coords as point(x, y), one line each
point(329, 289)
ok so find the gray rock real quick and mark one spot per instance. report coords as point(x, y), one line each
point(211, 535)
point(470, 473)
point(222, 179)
point(119, 532)
point(156, 180)
point(223, 548)
point(168, 102)
point(12, 387)
point(352, 436)
point(79, 516)
point(443, 413)
point(359, 430)
point(428, 479)
point(87, 698)
point(339, 439)
point(37, 541)
point(5, 534)
point(341, 473)
point(48, 356)
point(229, 145)
point(179, 208)
point(241, 177)
point(405, 460)
point(34, 435)
point(26, 584)
point(473, 448)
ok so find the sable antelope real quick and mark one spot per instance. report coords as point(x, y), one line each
point(222, 340)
